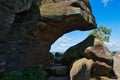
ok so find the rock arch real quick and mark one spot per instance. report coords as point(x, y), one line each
point(28, 29)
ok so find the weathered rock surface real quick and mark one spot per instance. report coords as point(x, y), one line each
point(99, 53)
point(17, 6)
point(81, 69)
point(116, 66)
point(6, 20)
point(29, 27)
point(68, 13)
point(100, 68)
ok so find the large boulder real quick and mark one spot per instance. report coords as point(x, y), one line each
point(91, 48)
point(116, 65)
point(100, 68)
point(30, 27)
point(99, 53)
point(81, 69)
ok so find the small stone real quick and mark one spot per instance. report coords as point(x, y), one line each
point(58, 70)
point(2, 63)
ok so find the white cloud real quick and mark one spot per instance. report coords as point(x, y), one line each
point(105, 2)
point(113, 45)
point(63, 41)
point(61, 44)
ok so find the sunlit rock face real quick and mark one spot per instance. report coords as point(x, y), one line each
point(81, 69)
point(116, 65)
point(29, 27)
point(75, 14)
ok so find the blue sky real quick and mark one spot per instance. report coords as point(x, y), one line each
point(107, 13)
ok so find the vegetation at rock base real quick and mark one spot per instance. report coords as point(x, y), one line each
point(102, 33)
point(34, 73)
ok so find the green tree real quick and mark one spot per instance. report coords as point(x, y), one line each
point(102, 33)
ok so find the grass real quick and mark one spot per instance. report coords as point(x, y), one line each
point(34, 73)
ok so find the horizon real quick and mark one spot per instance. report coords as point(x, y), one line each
point(107, 13)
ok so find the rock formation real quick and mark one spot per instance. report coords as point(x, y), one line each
point(81, 69)
point(116, 65)
point(29, 27)
point(90, 48)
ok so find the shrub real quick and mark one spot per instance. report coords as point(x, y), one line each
point(34, 73)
